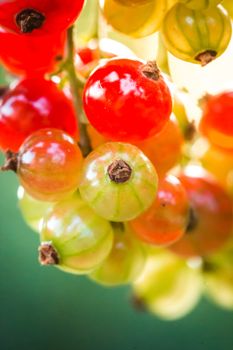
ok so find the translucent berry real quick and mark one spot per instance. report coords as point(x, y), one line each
point(126, 100)
point(49, 164)
point(74, 238)
point(211, 219)
point(196, 36)
point(118, 181)
point(33, 211)
point(168, 287)
point(34, 104)
point(166, 220)
point(125, 262)
point(216, 123)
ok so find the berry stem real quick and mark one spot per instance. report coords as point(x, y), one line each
point(84, 142)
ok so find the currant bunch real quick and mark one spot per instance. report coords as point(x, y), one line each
point(104, 149)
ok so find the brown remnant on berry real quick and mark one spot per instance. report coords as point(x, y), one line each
point(11, 162)
point(190, 131)
point(138, 303)
point(208, 266)
point(192, 222)
point(151, 70)
point(48, 254)
point(206, 57)
point(3, 90)
point(119, 171)
point(29, 19)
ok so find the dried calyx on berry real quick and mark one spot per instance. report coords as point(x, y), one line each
point(29, 19)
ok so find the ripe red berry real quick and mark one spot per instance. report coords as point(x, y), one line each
point(216, 123)
point(166, 220)
point(32, 105)
point(127, 100)
point(37, 16)
point(211, 221)
point(22, 54)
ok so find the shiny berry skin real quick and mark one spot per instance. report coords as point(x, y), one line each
point(31, 105)
point(211, 222)
point(125, 261)
point(123, 103)
point(216, 123)
point(200, 4)
point(145, 19)
point(80, 239)
point(228, 5)
point(22, 55)
point(32, 210)
point(220, 164)
point(118, 181)
point(36, 17)
point(164, 149)
point(133, 2)
point(49, 164)
point(196, 36)
point(166, 220)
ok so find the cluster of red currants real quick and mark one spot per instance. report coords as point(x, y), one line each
point(112, 192)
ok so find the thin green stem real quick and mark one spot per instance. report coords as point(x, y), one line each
point(75, 85)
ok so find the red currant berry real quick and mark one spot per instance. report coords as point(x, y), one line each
point(48, 165)
point(166, 220)
point(39, 17)
point(164, 149)
point(216, 123)
point(32, 105)
point(22, 55)
point(127, 100)
point(211, 220)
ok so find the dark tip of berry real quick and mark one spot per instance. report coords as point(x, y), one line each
point(119, 171)
point(206, 57)
point(118, 226)
point(190, 131)
point(208, 266)
point(29, 19)
point(48, 254)
point(193, 221)
point(11, 162)
point(3, 90)
point(151, 70)
point(138, 303)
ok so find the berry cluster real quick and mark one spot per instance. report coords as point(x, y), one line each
point(104, 151)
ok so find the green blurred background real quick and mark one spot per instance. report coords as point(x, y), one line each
point(45, 309)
